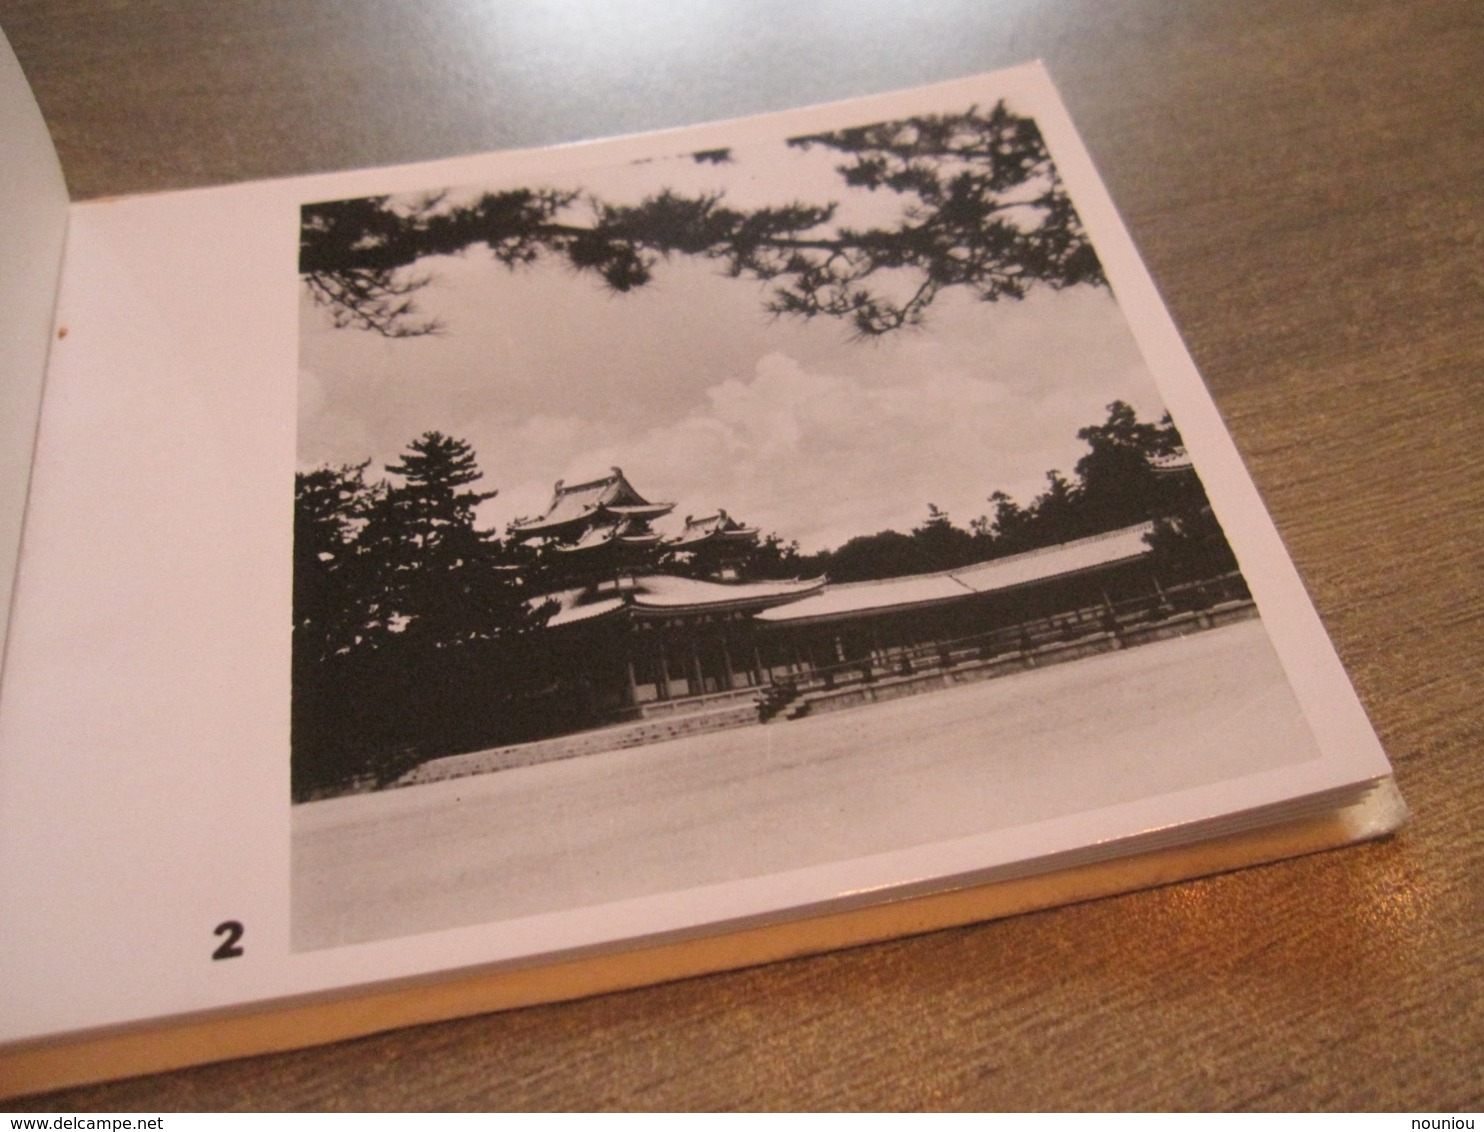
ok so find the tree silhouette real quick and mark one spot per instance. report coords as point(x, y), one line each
point(1012, 527)
point(405, 564)
point(1116, 479)
point(774, 557)
point(332, 606)
point(885, 554)
point(1115, 485)
point(940, 544)
point(410, 622)
point(445, 577)
point(981, 207)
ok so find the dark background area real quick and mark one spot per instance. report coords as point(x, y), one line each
point(1303, 180)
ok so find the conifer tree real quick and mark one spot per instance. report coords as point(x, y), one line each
point(444, 576)
point(981, 207)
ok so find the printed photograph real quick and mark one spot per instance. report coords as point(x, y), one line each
point(680, 521)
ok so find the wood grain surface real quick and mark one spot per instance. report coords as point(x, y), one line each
point(1305, 182)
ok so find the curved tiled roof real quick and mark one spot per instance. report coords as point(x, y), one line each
point(576, 505)
point(659, 594)
point(670, 593)
point(911, 592)
point(796, 601)
point(918, 590)
point(613, 530)
point(569, 614)
point(719, 527)
point(1056, 561)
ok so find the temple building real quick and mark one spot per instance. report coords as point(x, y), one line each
point(713, 544)
point(635, 645)
point(628, 638)
point(631, 638)
point(603, 522)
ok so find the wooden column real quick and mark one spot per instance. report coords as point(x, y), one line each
point(698, 677)
point(726, 662)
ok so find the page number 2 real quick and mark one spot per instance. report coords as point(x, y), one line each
point(231, 933)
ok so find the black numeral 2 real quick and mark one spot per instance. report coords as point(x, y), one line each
point(231, 932)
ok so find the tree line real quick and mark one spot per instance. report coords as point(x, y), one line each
point(1114, 484)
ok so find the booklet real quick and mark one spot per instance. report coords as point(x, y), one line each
point(474, 583)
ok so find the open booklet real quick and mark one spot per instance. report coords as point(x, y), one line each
point(474, 583)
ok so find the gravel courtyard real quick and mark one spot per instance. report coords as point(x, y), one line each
point(755, 800)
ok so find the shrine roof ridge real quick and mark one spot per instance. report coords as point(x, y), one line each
point(1065, 559)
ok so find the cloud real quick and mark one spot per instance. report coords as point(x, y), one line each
point(821, 457)
point(788, 425)
point(328, 436)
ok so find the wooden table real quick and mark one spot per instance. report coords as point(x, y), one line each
point(1305, 180)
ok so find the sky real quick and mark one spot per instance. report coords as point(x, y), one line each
point(705, 400)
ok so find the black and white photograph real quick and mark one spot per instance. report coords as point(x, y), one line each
point(713, 515)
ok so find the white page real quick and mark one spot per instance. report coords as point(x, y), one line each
point(33, 225)
point(144, 729)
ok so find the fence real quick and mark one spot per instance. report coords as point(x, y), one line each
point(1108, 624)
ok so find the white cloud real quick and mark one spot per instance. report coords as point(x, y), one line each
point(700, 399)
point(821, 457)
